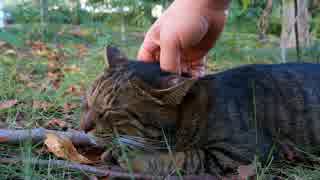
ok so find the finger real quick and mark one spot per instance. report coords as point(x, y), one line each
point(150, 48)
point(198, 67)
point(148, 51)
point(170, 54)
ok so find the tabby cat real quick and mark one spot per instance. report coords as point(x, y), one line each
point(208, 125)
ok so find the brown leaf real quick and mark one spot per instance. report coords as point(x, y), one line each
point(74, 90)
point(3, 139)
point(62, 147)
point(8, 104)
point(52, 65)
point(72, 69)
point(54, 56)
point(37, 45)
point(67, 107)
point(53, 76)
point(246, 171)
point(43, 105)
point(54, 123)
point(32, 85)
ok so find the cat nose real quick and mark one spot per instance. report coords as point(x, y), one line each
point(88, 122)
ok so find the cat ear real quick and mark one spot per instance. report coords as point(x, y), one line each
point(171, 92)
point(173, 89)
point(114, 57)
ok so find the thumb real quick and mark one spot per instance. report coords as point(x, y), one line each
point(150, 48)
point(149, 51)
point(170, 55)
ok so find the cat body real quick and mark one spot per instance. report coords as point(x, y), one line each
point(209, 125)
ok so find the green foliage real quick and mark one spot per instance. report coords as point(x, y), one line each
point(24, 13)
point(12, 39)
point(245, 4)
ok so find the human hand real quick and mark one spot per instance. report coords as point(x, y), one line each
point(184, 34)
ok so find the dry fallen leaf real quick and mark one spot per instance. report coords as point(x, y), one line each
point(53, 76)
point(4, 139)
point(54, 56)
point(54, 123)
point(74, 90)
point(8, 104)
point(62, 147)
point(72, 69)
point(68, 107)
point(43, 105)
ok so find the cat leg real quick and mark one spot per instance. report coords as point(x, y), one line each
point(164, 163)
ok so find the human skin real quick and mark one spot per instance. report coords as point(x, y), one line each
point(184, 34)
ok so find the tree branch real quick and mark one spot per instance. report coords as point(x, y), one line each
point(38, 135)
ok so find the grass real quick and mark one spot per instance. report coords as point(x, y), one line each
point(24, 77)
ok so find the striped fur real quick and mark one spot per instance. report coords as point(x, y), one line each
point(223, 121)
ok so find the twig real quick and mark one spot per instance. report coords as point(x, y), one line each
point(74, 166)
point(100, 172)
point(38, 135)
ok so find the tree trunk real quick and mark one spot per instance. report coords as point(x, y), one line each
point(44, 17)
point(123, 28)
point(288, 37)
point(75, 6)
point(263, 23)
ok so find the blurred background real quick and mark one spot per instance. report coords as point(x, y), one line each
point(256, 30)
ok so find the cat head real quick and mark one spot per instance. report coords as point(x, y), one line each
point(133, 99)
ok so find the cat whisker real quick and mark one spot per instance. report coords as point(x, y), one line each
point(146, 146)
point(141, 138)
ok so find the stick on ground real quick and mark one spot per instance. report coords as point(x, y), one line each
point(38, 135)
